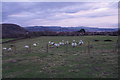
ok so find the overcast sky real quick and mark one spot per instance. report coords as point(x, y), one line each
point(66, 14)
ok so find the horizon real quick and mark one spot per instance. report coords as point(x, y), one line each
point(66, 14)
point(66, 27)
point(74, 27)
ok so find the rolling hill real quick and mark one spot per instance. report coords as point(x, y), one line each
point(16, 31)
point(68, 29)
point(12, 30)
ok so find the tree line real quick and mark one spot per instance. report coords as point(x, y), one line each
point(81, 32)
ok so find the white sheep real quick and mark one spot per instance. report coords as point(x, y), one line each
point(26, 46)
point(61, 43)
point(49, 42)
point(67, 42)
point(9, 49)
point(74, 44)
point(4, 48)
point(52, 43)
point(57, 45)
point(80, 42)
point(73, 40)
point(34, 44)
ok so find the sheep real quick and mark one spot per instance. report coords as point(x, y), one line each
point(4, 48)
point(61, 43)
point(57, 45)
point(9, 49)
point(74, 44)
point(34, 44)
point(62, 40)
point(26, 46)
point(73, 40)
point(52, 43)
point(80, 42)
point(49, 42)
point(67, 42)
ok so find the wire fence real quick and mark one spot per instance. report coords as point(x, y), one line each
point(88, 47)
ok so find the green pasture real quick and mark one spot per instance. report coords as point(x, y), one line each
point(90, 60)
point(7, 39)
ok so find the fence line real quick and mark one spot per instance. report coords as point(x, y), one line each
point(15, 49)
point(13, 40)
point(88, 47)
point(86, 50)
point(47, 47)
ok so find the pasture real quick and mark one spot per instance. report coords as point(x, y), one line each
point(93, 59)
point(7, 39)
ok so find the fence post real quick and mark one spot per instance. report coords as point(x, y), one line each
point(15, 49)
point(116, 46)
point(88, 46)
point(66, 48)
point(47, 48)
point(29, 49)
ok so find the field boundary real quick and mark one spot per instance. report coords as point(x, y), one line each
point(13, 40)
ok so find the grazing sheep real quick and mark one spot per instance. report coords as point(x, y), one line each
point(80, 42)
point(61, 43)
point(9, 49)
point(74, 44)
point(52, 43)
point(49, 42)
point(73, 40)
point(26, 46)
point(34, 44)
point(57, 45)
point(67, 42)
point(4, 48)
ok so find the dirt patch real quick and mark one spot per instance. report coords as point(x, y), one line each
point(96, 40)
point(108, 40)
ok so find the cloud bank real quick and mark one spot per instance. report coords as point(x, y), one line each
point(66, 14)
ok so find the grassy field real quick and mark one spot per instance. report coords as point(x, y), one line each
point(99, 61)
point(7, 39)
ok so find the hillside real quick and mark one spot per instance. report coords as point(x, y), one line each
point(12, 30)
point(68, 29)
point(16, 31)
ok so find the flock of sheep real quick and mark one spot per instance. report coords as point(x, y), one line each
point(52, 44)
point(73, 44)
point(26, 46)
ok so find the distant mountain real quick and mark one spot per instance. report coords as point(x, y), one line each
point(12, 30)
point(68, 29)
